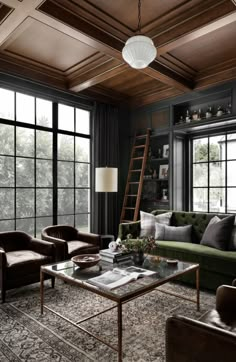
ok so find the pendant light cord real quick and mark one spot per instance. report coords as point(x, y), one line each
point(139, 16)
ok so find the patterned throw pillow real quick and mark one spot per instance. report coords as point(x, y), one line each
point(174, 233)
point(148, 222)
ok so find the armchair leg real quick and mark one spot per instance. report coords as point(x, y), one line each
point(53, 282)
point(3, 292)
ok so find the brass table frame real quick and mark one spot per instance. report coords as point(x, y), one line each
point(119, 300)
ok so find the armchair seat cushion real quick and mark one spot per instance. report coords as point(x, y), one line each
point(76, 247)
point(19, 257)
point(223, 320)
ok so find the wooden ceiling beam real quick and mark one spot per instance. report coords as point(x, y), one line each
point(165, 75)
point(97, 75)
point(103, 42)
point(197, 33)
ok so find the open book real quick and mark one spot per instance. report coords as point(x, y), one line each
point(117, 277)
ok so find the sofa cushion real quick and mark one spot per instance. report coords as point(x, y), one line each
point(211, 259)
point(177, 233)
point(77, 246)
point(232, 243)
point(218, 232)
point(148, 222)
point(20, 257)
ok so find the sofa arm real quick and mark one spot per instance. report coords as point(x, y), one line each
point(132, 228)
point(226, 298)
point(60, 244)
point(3, 259)
point(90, 238)
point(191, 340)
point(42, 247)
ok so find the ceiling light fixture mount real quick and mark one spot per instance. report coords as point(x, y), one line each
point(139, 50)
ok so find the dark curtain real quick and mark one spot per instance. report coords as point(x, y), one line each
point(106, 153)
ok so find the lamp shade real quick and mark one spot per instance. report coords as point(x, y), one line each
point(106, 179)
point(139, 51)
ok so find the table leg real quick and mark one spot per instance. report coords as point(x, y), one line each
point(119, 321)
point(197, 288)
point(41, 290)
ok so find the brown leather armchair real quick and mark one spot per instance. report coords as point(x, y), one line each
point(21, 257)
point(210, 339)
point(70, 242)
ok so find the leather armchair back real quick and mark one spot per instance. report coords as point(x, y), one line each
point(191, 340)
point(63, 232)
point(14, 240)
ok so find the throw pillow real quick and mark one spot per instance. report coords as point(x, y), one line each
point(160, 232)
point(232, 243)
point(148, 222)
point(173, 233)
point(218, 233)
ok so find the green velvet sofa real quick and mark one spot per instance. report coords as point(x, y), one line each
point(217, 267)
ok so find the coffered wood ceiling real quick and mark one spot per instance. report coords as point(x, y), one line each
point(76, 45)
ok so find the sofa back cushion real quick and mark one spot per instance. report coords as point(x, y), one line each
point(218, 232)
point(148, 222)
point(232, 243)
point(199, 221)
point(173, 233)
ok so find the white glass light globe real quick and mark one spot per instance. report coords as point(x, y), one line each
point(139, 51)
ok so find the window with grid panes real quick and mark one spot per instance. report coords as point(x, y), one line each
point(26, 165)
point(213, 170)
point(73, 167)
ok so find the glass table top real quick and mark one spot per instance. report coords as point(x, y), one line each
point(164, 270)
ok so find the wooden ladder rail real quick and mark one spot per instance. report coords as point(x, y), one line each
point(145, 148)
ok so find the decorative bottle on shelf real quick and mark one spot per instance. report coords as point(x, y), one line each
point(195, 116)
point(164, 195)
point(219, 112)
point(209, 112)
point(187, 117)
point(181, 120)
point(199, 115)
point(228, 108)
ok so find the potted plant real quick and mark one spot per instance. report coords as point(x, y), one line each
point(138, 247)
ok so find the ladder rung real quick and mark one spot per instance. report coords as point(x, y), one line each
point(137, 158)
point(134, 182)
point(131, 195)
point(136, 170)
point(126, 221)
point(139, 146)
point(129, 208)
point(141, 136)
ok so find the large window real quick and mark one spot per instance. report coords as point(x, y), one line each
point(73, 167)
point(213, 169)
point(41, 183)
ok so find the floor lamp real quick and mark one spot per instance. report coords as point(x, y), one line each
point(106, 180)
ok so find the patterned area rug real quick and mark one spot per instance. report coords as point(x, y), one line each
point(25, 335)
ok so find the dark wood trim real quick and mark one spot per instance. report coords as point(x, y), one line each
point(97, 75)
point(197, 33)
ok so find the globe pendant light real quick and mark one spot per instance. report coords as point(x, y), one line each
point(139, 50)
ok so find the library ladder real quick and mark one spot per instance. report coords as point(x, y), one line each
point(134, 184)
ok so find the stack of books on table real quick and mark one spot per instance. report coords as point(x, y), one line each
point(114, 257)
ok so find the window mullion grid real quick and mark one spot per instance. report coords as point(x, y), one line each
point(35, 166)
point(226, 168)
point(74, 164)
point(208, 175)
point(15, 162)
point(54, 161)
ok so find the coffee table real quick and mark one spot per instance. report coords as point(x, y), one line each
point(164, 272)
